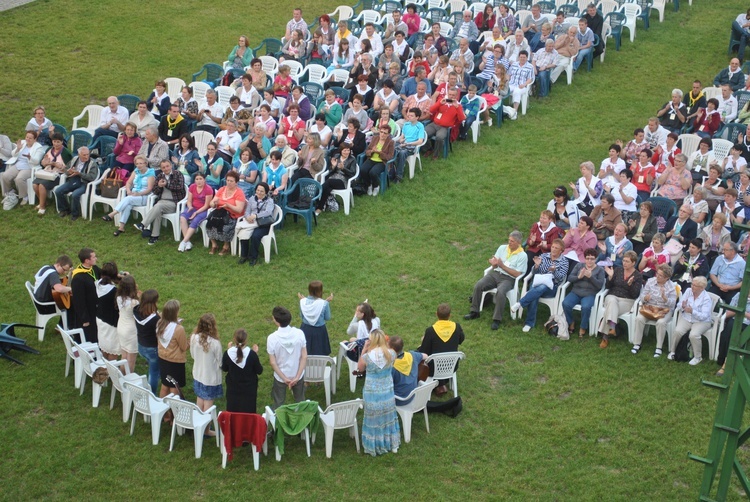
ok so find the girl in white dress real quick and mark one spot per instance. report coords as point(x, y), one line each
point(127, 299)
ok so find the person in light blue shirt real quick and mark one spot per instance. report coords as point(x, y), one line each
point(470, 103)
point(586, 38)
point(726, 272)
point(412, 135)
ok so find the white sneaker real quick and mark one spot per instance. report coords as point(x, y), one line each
point(526, 328)
point(181, 247)
point(695, 360)
point(369, 190)
point(514, 115)
point(489, 122)
point(670, 356)
point(515, 308)
point(24, 201)
point(188, 246)
point(375, 191)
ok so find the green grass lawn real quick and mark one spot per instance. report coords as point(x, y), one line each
point(543, 419)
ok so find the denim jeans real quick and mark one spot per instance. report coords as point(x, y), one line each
point(587, 303)
point(581, 56)
point(530, 301)
point(151, 355)
point(77, 187)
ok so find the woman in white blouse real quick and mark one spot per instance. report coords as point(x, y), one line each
point(695, 311)
point(27, 156)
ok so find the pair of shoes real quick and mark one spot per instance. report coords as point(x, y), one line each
point(526, 328)
point(695, 361)
point(369, 190)
point(670, 356)
point(635, 349)
point(181, 247)
point(375, 191)
point(657, 353)
point(471, 315)
point(118, 232)
point(106, 217)
point(152, 240)
point(515, 308)
point(63, 214)
point(489, 122)
point(41, 212)
point(74, 217)
point(604, 343)
point(495, 325)
point(188, 246)
point(253, 261)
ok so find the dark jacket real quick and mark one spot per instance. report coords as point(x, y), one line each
point(649, 229)
point(688, 232)
point(176, 185)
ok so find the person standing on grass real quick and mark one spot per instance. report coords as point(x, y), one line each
point(243, 367)
point(146, 318)
point(287, 353)
point(443, 336)
point(315, 311)
point(172, 348)
point(84, 297)
point(205, 347)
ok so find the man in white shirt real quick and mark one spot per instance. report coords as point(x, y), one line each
point(287, 353)
point(375, 41)
point(296, 23)
point(654, 133)
point(210, 113)
point(113, 119)
point(727, 104)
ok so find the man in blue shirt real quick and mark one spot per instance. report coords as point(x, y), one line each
point(405, 371)
point(586, 38)
point(412, 134)
point(726, 272)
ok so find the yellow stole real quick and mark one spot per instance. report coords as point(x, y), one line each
point(80, 269)
point(444, 329)
point(403, 364)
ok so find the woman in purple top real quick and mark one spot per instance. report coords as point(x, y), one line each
point(199, 197)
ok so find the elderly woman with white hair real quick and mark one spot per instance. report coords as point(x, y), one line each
point(672, 116)
point(288, 155)
point(257, 142)
point(658, 298)
point(588, 189)
point(695, 319)
point(675, 181)
point(698, 202)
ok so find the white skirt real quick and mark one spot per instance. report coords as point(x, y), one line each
point(108, 340)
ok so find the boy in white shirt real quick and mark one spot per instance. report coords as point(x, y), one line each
point(287, 352)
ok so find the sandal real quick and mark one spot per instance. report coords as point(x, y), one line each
point(106, 217)
point(657, 353)
point(224, 251)
point(635, 349)
point(118, 232)
point(213, 249)
point(720, 373)
point(571, 328)
point(581, 333)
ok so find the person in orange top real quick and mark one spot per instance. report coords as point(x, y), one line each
point(231, 198)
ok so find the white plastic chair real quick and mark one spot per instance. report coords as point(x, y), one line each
point(553, 303)
point(631, 11)
point(598, 303)
point(368, 16)
point(223, 93)
point(295, 68)
point(435, 4)
point(721, 148)
point(199, 90)
point(475, 124)
point(315, 73)
point(202, 139)
point(712, 92)
point(342, 13)
point(659, 5)
point(174, 217)
point(270, 417)
point(93, 197)
point(72, 352)
point(94, 118)
point(267, 240)
point(351, 366)
point(341, 76)
point(151, 407)
point(412, 159)
point(711, 334)
point(419, 398)
point(689, 143)
point(90, 363)
point(321, 369)
point(606, 33)
point(521, 16)
point(340, 416)
point(187, 415)
point(270, 65)
point(347, 194)
point(117, 378)
point(445, 364)
point(445, 29)
point(174, 87)
point(475, 8)
point(607, 6)
point(512, 295)
point(41, 320)
point(459, 6)
point(629, 318)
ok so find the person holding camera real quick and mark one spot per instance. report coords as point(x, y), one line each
point(446, 113)
point(81, 171)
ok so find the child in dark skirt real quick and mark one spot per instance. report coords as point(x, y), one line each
point(315, 311)
point(243, 367)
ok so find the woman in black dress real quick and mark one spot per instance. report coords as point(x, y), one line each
point(243, 367)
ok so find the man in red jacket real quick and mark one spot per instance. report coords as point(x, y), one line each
point(446, 113)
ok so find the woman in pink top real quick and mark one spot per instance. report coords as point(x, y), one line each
point(581, 238)
point(675, 181)
point(199, 199)
point(126, 148)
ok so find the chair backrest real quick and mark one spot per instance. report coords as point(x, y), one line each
point(314, 92)
point(721, 148)
point(223, 94)
point(271, 45)
point(174, 86)
point(663, 207)
point(202, 139)
point(129, 101)
point(688, 143)
point(457, 6)
point(183, 411)
point(344, 413)
point(607, 6)
point(30, 290)
point(114, 374)
point(420, 395)
point(546, 6)
point(630, 10)
point(78, 138)
point(339, 76)
point(106, 145)
point(67, 336)
point(142, 397)
point(712, 92)
point(730, 131)
point(342, 13)
point(569, 10)
point(315, 367)
point(369, 16)
point(213, 71)
point(521, 16)
point(199, 90)
point(86, 358)
point(742, 98)
point(94, 114)
point(445, 28)
point(308, 187)
point(316, 73)
point(445, 363)
point(295, 68)
point(616, 20)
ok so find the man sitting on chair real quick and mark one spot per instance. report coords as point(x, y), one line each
point(81, 171)
point(113, 119)
point(443, 336)
point(169, 190)
point(405, 371)
point(47, 280)
point(508, 262)
point(210, 114)
point(172, 126)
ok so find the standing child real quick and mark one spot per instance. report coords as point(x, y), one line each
point(106, 311)
point(205, 348)
point(127, 300)
point(243, 367)
point(146, 318)
point(172, 348)
point(315, 311)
